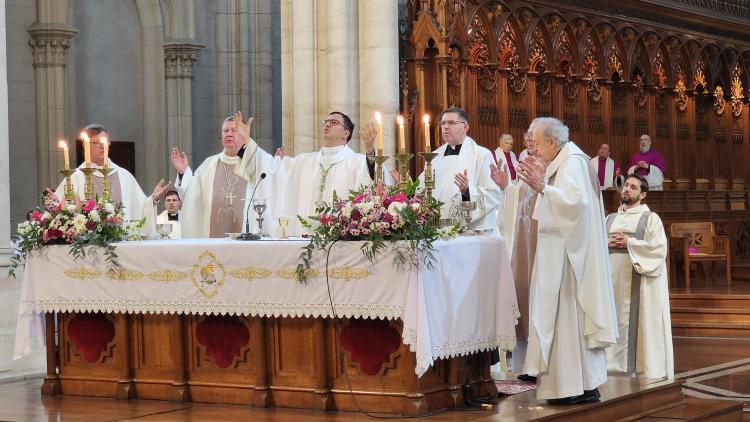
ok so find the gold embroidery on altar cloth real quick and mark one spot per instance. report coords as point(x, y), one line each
point(167, 275)
point(208, 274)
point(83, 273)
point(250, 273)
point(124, 274)
point(349, 273)
point(290, 273)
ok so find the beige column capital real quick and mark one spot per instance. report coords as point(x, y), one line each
point(179, 57)
point(49, 44)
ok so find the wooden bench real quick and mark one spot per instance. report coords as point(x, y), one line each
point(708, 247)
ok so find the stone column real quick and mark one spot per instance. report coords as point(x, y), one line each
point(50, 40)
point(378, 66)
point(180, 52)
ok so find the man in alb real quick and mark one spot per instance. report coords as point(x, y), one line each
point(649, 164)
point(606, 168)
point(124, 189)
point(297, 185)
point(505, 157)
point(462, 173)
point(638, 255)
point(571, 303)
point(213, 197)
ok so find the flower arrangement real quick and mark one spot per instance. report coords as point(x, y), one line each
point(95, 222)
point(380, 217)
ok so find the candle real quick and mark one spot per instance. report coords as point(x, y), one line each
point(379, 121)
point(401, 137)
point(64, 147)
point(105, 144)
point(86, 147)
point(426, 120)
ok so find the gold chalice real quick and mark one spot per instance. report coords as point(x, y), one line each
point(283, 223)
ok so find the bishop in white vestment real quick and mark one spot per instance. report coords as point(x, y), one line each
point(571, 302)
point(123, 186)
point(638, 254)
point(605, 167)
point(213, 197)
point(506, 158)
point(297, 185)
point(462, 173)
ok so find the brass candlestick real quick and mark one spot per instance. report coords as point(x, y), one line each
point(379, 159)
point(402, 161)
point(429, 176)
point(88, 191)
point(69, 194)
point(107, 188)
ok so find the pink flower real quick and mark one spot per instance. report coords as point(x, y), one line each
point(359, 198)
point(90, 205)
point(398, 197)
point(36, 215)
point(90, 225)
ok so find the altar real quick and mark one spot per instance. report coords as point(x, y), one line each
point(217, 320)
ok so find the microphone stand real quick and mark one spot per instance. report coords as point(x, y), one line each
point(247, 235)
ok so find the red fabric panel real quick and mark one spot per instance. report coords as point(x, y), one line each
point(370, 343)
point(91, 333)
point(223, 336)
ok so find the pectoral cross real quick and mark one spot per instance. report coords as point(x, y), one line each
point(230, 196)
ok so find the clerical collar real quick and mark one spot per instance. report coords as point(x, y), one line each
point(453, 149)
point(227, 159)
point(329, 151)
point(173, 217)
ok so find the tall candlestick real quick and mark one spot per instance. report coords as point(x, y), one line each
point(426, 120)
point(401, 136)
point(86, 147)
point(64, 147)
point(105, 144)
point(379, 122)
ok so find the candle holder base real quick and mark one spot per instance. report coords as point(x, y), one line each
point(379, 159)
point(69, 194)
point(402, 160)
point(88, 191)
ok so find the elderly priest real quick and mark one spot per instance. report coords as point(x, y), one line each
point(571, 303)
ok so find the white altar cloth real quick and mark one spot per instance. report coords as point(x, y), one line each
point(465, 304)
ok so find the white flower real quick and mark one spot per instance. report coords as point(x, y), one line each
point(95, 217)
point(109, 208)
point(415, 206)
point(365, 207)
point(71, 208)
point(346, 211)
point(24, 228)
point(395, 208)
point(46, 216)
point(79, 222)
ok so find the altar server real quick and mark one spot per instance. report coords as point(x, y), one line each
point(638, 254)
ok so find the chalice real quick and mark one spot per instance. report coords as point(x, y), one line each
point(283, 223)
point(467, 207)
point(259, 205)
point(164, 230)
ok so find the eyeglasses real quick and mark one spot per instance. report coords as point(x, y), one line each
point(450, 122)
point(331, 122)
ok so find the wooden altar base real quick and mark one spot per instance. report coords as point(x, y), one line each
point(308, 363)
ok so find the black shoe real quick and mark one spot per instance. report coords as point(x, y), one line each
point(588, 396)
point(526, 377)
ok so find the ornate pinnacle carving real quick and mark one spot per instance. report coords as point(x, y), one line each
point(179, 58)
point(49, 44)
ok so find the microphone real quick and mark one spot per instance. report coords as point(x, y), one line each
point(247, 235)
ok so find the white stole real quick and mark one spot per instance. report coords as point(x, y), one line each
point(609, 171)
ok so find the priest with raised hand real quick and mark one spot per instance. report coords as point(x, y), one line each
point(638, 255)
point(648, 163)
point(606, 168)
point(301, 183)
point(213, 197)
point(462, 173)
point(571, 303)
point(124, 189)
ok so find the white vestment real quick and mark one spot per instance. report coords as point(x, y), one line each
point(163, 218)
point(196, 190)
point(655, 177)
point(654, 354)
point(476, 160)
point(609, 171)
point(571, 303)
point(523, 155)
point(136, 204)
point(297, 184)
point(503, 161)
